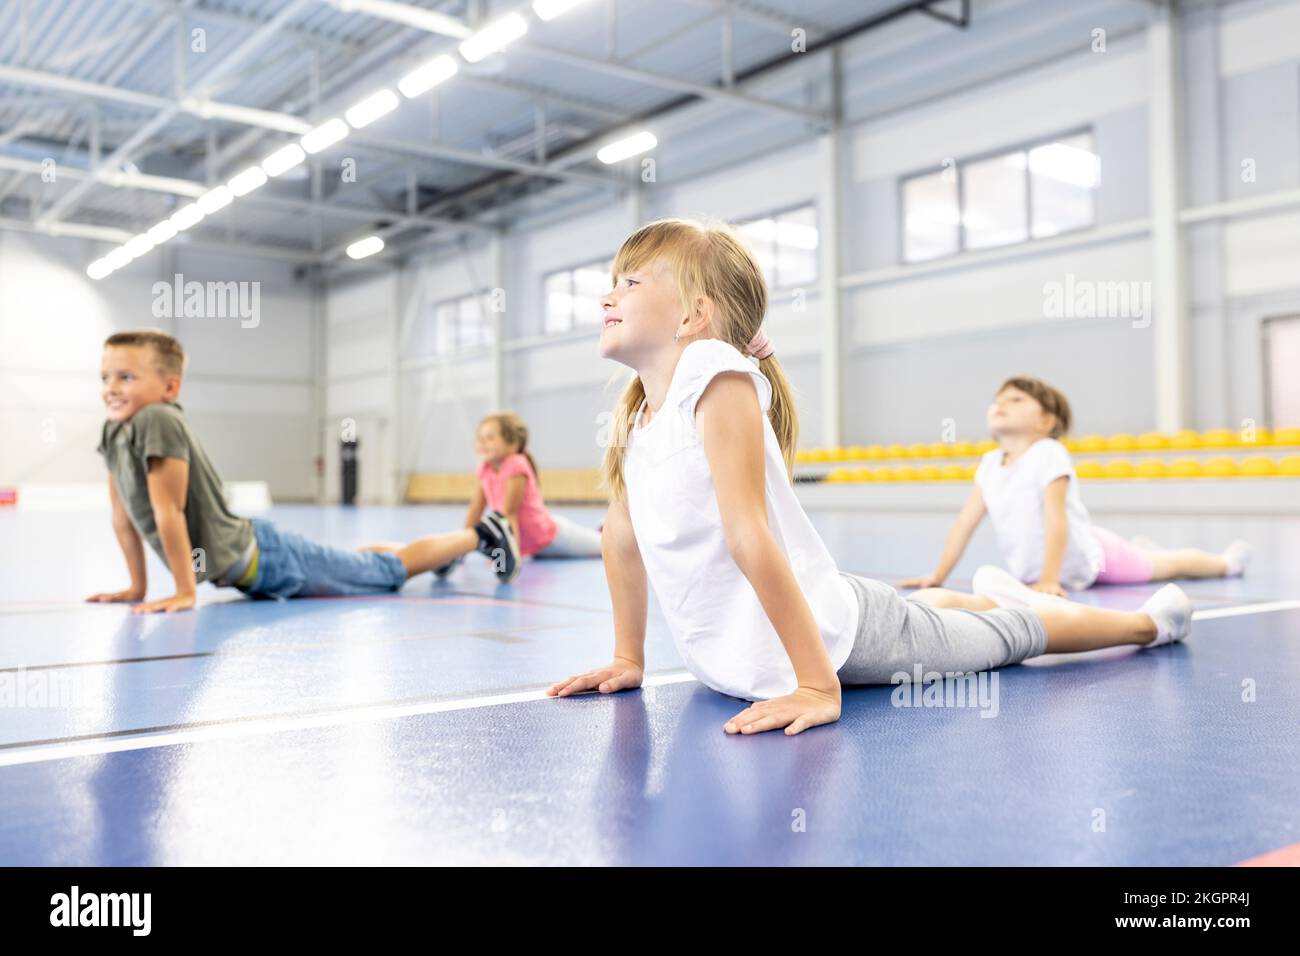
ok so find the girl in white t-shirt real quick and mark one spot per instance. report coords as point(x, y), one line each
point(1029, 490)
point(698, 466)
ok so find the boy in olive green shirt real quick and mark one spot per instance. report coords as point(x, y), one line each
point(164, 490)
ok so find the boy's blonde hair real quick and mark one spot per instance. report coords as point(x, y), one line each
point(513, 432)
point(709, 260)
point(167, 350)
point(1052, 400)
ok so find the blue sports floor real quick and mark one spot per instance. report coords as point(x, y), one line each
point(412, 729)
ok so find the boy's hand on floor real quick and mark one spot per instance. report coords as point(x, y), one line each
point(177, 602)
point(620, 675)
point(115, 597)
point(795, 712)
point(1050, 587)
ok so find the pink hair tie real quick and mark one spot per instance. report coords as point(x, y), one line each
point(760, 346)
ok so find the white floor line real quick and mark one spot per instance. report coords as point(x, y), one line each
point(272, 725)
point(1210, 614)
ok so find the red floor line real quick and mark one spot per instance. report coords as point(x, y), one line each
point(1284, 856)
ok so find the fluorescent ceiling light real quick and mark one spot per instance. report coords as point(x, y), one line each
point(162, 232)
point(138, 246)
point(365, 247)
point(371, 108)
point(217, 198)
point(426, 77)
point(118, 257)
point(550, 9)
point(283, 159)
point(98, 269)
point(493, 37)
point(186, 216)
point(324, 136)
point(244, 183)
point(628, 146)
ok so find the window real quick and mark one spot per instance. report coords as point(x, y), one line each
point(994, 202)
point(573, 297)
point(785, 245)
point(1041, 190)
point(930, 204)
point(464, 323)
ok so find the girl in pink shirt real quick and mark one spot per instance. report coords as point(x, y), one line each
point(508, 484)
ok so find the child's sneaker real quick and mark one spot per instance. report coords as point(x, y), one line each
point(1003, 589)
point(1172, 611)
point(496, 540)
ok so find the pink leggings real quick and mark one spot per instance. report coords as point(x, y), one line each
point(1121, 562)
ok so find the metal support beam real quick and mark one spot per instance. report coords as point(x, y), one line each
point(1169, 296)
point(829, 153)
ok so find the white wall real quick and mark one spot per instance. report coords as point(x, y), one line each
point(247, 392)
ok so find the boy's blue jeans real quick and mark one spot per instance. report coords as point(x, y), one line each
point(289, 565)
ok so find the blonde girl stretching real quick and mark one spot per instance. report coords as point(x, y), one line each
point(704, 512)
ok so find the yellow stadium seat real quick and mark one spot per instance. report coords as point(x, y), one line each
point(819, 455)
point(1092, 444)
point(837, 475)
point(962, 449)
point(895, 451)
point(1286, 436)
point(1121, 441)
point(940, 449)
point(1261, 437)
point(857, 452)
point(918, 450)
point(985, 446)
point(968, 471)
point(905, 473)
point(1258, 466)
point(863, 474)
point(1221, 468)
point(839, 454)
point(1219, 438)
point(1119, 468)
point(1071, 443)
point(1185, 439)
point(929, 473)
point(1185, 468)
point(803, 455)
point(1088, 469)
point(885, 473)
point(874, 452)
point(1151, 468)
point(953, 473)
point(1289, 466)
point(1152, 441)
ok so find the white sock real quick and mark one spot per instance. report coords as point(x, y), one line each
point(1236, 556)
point(1172, 612)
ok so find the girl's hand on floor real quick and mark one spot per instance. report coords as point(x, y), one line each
point(620, 675)
point(929, 581)
point(795, 712)
point(1050, 587)
point(177, 602)
point(115, 597)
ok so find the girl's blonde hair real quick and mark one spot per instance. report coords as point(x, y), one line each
point(707, 260)
point(513, 432)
